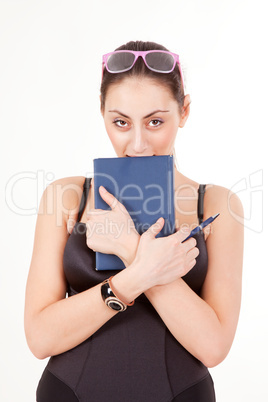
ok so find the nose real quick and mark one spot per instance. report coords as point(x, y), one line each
point(139, 140)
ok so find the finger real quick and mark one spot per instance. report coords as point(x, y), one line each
point(108, 197)
point(193, 253)
point(191, 264)
point(190, 244)
point(182, 233)
point(155, 228)
point(192, 256)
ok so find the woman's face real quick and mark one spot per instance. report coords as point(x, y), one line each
point(142, 118)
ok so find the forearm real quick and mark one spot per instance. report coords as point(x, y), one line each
point(68, 322)
point(191, 321)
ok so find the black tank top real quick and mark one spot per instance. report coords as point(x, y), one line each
point(133, 357)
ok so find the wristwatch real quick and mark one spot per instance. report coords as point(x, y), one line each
point(110, 298)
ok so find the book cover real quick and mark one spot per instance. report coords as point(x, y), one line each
point(145, 186)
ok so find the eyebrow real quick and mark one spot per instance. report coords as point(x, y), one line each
point(145, 117)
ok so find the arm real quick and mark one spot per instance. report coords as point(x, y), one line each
point(206, 325)
point(48, 313)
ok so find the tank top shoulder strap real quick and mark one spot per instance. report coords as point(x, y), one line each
point(200, 204)
point(83, 201)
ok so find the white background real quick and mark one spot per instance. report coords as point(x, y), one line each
point(51, 127)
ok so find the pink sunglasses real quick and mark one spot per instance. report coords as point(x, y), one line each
point(160, 61)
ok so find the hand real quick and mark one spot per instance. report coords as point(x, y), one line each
point(112, 232)
point(165, 259)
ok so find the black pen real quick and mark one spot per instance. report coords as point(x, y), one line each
point(201, 226)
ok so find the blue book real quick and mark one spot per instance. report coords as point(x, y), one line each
point(145, 186)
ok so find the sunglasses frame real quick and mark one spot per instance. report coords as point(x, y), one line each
point(143, 54)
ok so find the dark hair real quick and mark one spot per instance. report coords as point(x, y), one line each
point(171, 80)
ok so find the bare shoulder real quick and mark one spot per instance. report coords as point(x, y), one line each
point(70, 188)
point(69, 183)
point(219, 199)
point(62, 197)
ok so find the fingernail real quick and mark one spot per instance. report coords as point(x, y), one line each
point(103, 189)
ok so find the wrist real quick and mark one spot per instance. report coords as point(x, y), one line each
point(153, 291)
point(158, 290)
point(128, 254)
point(128, 284)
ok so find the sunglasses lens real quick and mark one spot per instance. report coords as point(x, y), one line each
point(159, 61)
point(119, 62)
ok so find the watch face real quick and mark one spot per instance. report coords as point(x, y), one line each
point(115, 304)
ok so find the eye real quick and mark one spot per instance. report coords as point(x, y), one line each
point(156, 122)
point(120, 123)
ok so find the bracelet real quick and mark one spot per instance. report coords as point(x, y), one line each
point(110, 298)
point(110, 283)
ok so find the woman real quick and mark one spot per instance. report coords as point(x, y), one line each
point(181, 301)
